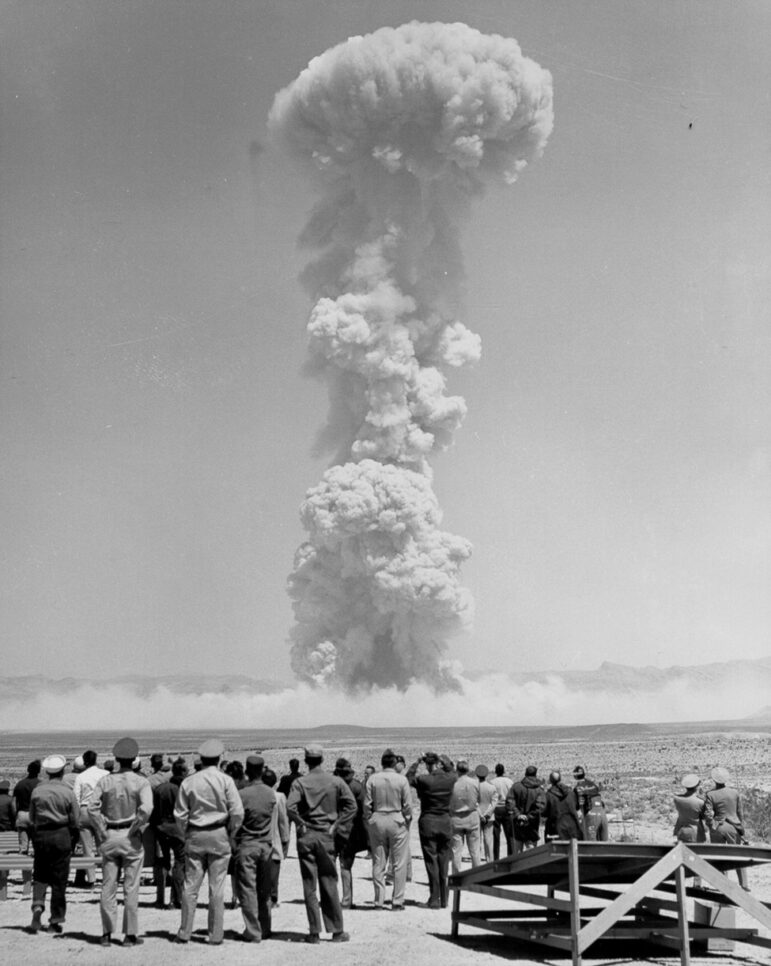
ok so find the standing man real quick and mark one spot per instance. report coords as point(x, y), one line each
point(209, 813)
point(286, 782)
point(591, 807)
point(501, 821)
point(22, 792)
point(85, 783)
point(120, 808)
point(169, 839)
point(464, 814)
point(54, 818)
point(319, 803)
point(351, 838)
point(434, 827)
point(561, 818)
point(723, 815)
point(387, 811)
point(253, 850)
point(525, 804)
point(488, 799)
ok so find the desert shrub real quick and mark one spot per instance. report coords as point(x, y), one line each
point(756, 810)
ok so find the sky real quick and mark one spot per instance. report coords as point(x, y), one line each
point(614, 471)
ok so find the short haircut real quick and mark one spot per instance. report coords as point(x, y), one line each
point(269, 777)
point(253, 769)
point(531, 771)
point(388, 759)
point(33, 768)
point(313, 762)
point(89, 758)
point(294, 763)
point(156, 760)
point(499, 769)
point(178, 769)
point(462, 767)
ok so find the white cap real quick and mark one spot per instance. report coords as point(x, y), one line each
point(54, 763)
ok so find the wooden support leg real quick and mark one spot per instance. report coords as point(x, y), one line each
point(682, 917)
point(455, 911)
point(575, 901)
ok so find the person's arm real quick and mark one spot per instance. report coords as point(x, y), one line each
point(406, 803)
point(367, 810)
point(95, 812)
point(144, 808)
point(412, 772)
point(283, 824)
point(512, 808)
point(709, 812)
point(182, 809)
point(293, 805)
point(346, 809)
point(235, 807)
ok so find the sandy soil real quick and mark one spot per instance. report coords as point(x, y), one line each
point(417, 936)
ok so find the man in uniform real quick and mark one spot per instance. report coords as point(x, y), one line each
point(208, 812)
point(350, 840)
point(319, 803)
point(387, 811)
point(253, 851)
point(501, 821)
point(53, 817)
point(488, 799)
point(434, 826)
point(723, 815)
point(22, 793)
point(168, 838)
point(120, 808)
point(85, 783)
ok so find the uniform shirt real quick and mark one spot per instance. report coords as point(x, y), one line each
point(259, 801)
point(53, 803)
point(387, 791)
point(723, 805)
point(690, 809)
point(208, 797)
point(85, 783)
point(320, 801)
point(488, 799)
point(465, 796)
point(121, 797)
point(502, 785)
point(70, 778)
point(22, 792)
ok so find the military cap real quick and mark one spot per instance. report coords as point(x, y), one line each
point(314, 751)
point(125, 749)
point(54, 763)
point(690, 780)
point(481, 771)
point(720, 776)
point(4, 785)
point(211, 748)
point(79, 764)
point(256, 761)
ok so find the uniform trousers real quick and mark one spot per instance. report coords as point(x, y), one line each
point(465, 829)
point(436, 843)
point(253, 871)
point(51, 867)
point(502, 825)
point(389, 839)
point(486, 827)
point(316, 853)
point(121, 852)
point(345, 850)
point(207, 851)
point(727, 834)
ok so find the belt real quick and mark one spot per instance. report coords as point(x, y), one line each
point(124, 823)
point(209, 828)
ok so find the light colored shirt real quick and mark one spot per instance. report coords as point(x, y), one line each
point(503, 785)
point(158, 778)
point(488, 799)
point(465, 796)
point(121, 797)
point(280, 829)
point(388, 791)
point(85, 783)
point(208, 797)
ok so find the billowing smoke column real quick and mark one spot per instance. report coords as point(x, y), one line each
point(400, 129)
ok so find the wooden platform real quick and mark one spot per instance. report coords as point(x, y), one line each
point(650, 893)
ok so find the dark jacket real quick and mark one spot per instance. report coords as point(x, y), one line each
point(560, 814)
point(525, 804)
point(434, 790)
point(7, 813)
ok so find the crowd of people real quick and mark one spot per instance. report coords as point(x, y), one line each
point(233, 819)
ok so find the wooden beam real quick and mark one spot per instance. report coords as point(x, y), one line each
point(627, 900)
point(575, 901)
point(514, 895)
point(533, 932)
point(682, 918)
point(733, 890)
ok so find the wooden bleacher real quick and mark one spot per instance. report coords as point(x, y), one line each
point(11, 860)
point(655, 894)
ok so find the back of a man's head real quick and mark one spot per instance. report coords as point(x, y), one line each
point(461, 766)
point(313, 762)
point(33, 768)
point(89, 758)
point(531, 771)
point(156, 761)
point(294, 764)
point(269, 777)
point(555, 777)
point(388, 759)
point(178, 768)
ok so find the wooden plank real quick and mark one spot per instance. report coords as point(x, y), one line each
point(530, 933)
point(575, 902)
point(733, 890)
point(455, 913)
point(627, 900)
point(682, 918)
point(514, 895)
